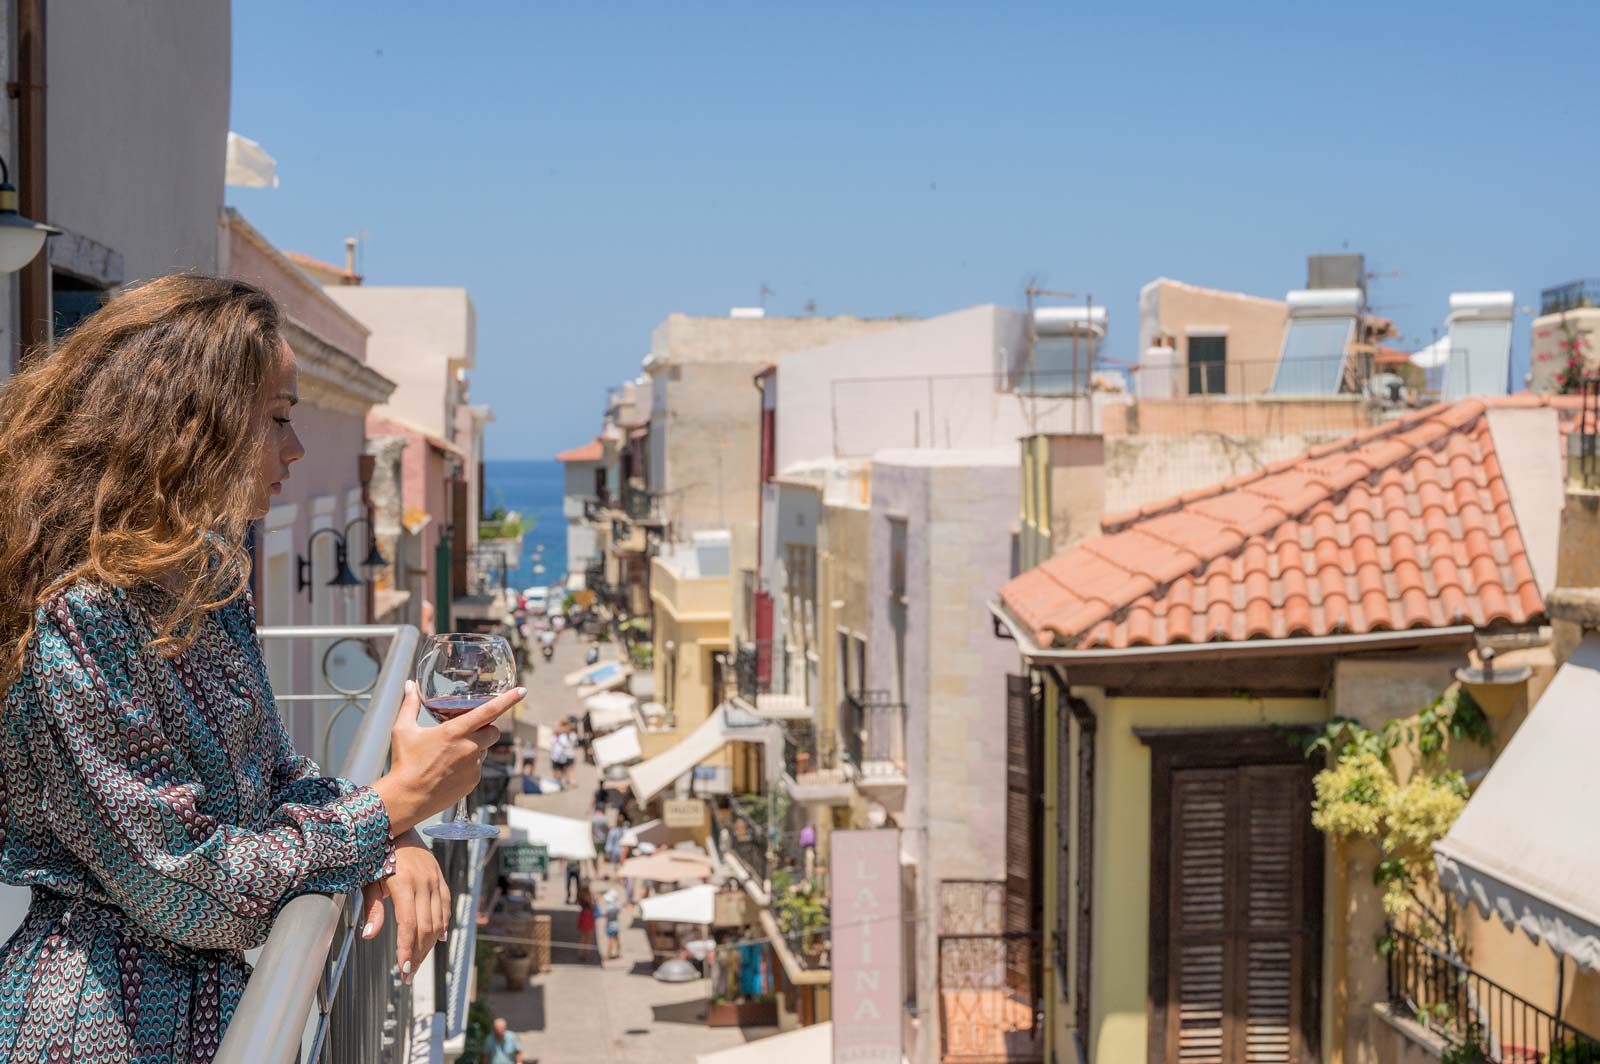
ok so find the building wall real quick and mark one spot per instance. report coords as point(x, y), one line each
point(578, 484)
point(137, 118)
point(691, 613)
point(959, 508)
point(1254, 327)
point(300, 297)
point(1547, 358)
point(419, 337)
point(751, 342)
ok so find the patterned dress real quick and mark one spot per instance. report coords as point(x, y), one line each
point(161, 817)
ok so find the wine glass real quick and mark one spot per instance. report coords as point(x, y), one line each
point(458, 673)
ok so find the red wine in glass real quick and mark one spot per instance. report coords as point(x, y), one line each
point(456, 674)
point(451, 708)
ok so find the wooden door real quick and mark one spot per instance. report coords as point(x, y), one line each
point(1024, 826)
point(1238, 916)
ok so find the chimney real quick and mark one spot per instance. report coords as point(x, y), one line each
point(350, 255)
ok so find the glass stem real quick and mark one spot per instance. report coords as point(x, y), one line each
point(460, 811)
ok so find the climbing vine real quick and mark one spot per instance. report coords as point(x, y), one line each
point(1361, 794)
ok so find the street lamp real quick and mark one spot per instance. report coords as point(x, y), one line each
point(374, 559)
point(342, 576)
point(20, 237)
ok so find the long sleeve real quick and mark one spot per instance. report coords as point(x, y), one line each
point(128, 802)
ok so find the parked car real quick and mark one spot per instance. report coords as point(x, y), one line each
point(536, 600)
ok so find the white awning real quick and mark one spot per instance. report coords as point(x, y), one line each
point(651, 831)
point(726, 724)
point(804, 1045)
point(621, 747)
point(691, 905)
point(599, 672)
point(1521, 848)
point(610, 710)
point(565, 837)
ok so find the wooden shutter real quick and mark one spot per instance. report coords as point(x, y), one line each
point(1024, 826)
point(1237, 916)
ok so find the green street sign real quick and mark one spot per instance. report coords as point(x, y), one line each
point(524, 858)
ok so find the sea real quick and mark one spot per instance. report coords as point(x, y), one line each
point(534, 490)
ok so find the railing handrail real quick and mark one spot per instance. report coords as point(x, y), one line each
point(270, 1020)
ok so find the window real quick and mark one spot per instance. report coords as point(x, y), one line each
point(1024, 901)
point(1235, 899)
point(897, 560)
point(1208, 365)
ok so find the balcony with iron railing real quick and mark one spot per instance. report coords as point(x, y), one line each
point(1574, 295)
point(641, 506)
point(990, 1000)
point(319, 993)
point(874, 732)
point(771, 680)
point(744, 833)
point(1478, 1018)
point(814, 770)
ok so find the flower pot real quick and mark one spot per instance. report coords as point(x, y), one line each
point(516, 968)
point(742, 1014)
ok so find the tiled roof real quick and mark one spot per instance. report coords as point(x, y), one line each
point(589, 452)
point(1406, 525)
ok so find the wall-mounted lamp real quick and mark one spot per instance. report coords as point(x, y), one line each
point(342, 576)
point(374, 559)
point(20, 237)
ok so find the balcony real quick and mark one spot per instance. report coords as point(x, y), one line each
point(874, 731)
point(596, 509)
point(1477, 1017)
point(770, 680)
point(319, 992)
point(641, 506)
point(989, 979)
point(742, 828)
point(1573, 295)
point(814, 772)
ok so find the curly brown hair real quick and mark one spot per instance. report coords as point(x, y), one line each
point(129, 455)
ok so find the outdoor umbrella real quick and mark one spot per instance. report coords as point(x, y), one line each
point(668, 866)
point(691, 905)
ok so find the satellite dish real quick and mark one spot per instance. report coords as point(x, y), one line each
point(877, 815)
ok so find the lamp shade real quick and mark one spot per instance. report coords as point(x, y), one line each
point(374, 558)
point(20, 238)
point(342, 576)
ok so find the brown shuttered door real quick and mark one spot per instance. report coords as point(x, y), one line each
point(1241, 935)
point(1024, 825)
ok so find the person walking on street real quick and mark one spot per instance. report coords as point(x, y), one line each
point(586, 920)
point(574, 881)
point(500, 1046)
point(561, 754)
point(612, 909)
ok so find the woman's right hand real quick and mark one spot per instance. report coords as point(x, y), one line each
point(432, 768)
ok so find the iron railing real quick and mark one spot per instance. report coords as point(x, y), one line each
point(770, 674)
point(1468, 1009)
point(747, 839)
point(875, 734)
point(595, 508)
point(990, 1009)
point(639, 504)
point(1570, 296)
point(319, 992)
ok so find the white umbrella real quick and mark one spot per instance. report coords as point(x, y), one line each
point(621, 747)
point(691, 905)
point(565, 837)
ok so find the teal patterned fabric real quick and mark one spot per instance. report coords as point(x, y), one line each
point(161, 816)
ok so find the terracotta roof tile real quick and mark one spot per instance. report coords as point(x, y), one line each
point(589, 452)
point(1404, 525)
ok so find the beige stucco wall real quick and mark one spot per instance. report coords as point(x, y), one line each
point(1254, 325)
point(419, 337)
point(751, 341)
point(137, 126)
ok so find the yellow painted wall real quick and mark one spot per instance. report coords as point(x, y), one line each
point(696, 640)
point(1122, 848)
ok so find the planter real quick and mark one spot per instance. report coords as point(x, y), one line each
point(742, 1014)
point(516, 967)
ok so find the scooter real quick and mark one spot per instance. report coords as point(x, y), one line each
point(548, 650)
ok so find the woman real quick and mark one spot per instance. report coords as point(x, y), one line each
point(586, 921)
point(149, 794)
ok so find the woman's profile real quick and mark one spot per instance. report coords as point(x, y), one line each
point(149, 794)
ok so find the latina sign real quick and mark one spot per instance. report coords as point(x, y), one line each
point(683, 812)
point(867, 930)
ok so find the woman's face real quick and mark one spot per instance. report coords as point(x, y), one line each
point(282, 447)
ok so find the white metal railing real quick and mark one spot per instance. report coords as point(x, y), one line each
point(314, 956)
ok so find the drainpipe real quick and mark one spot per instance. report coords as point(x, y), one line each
point(366, 465)
point(33, 303)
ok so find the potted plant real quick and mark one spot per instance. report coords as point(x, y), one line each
point(516, 962)
point(757, 1011)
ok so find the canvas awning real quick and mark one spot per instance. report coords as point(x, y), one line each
point(610, 710)
point(803, 1045)
point(1520, 849)
point(725, 725)
point(599, 672)
point(564, 836)
point(691, 905)
point(651, 831)
point(621, 747)
point(669, 866)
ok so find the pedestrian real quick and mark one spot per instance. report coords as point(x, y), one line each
point(574, 880)
point(500, 1045)
point(612, 908)
point(614, 844)
point(530, 779)
point(561, 754)
point(599, 828)
point(586, 919)
point(138, 452)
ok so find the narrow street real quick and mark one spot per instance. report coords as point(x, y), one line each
point(582, 1012)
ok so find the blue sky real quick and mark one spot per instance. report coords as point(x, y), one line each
point(587, 168)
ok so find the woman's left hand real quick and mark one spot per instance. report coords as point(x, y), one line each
point(421, 903)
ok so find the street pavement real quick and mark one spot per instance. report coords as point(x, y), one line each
point(584, 1011)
